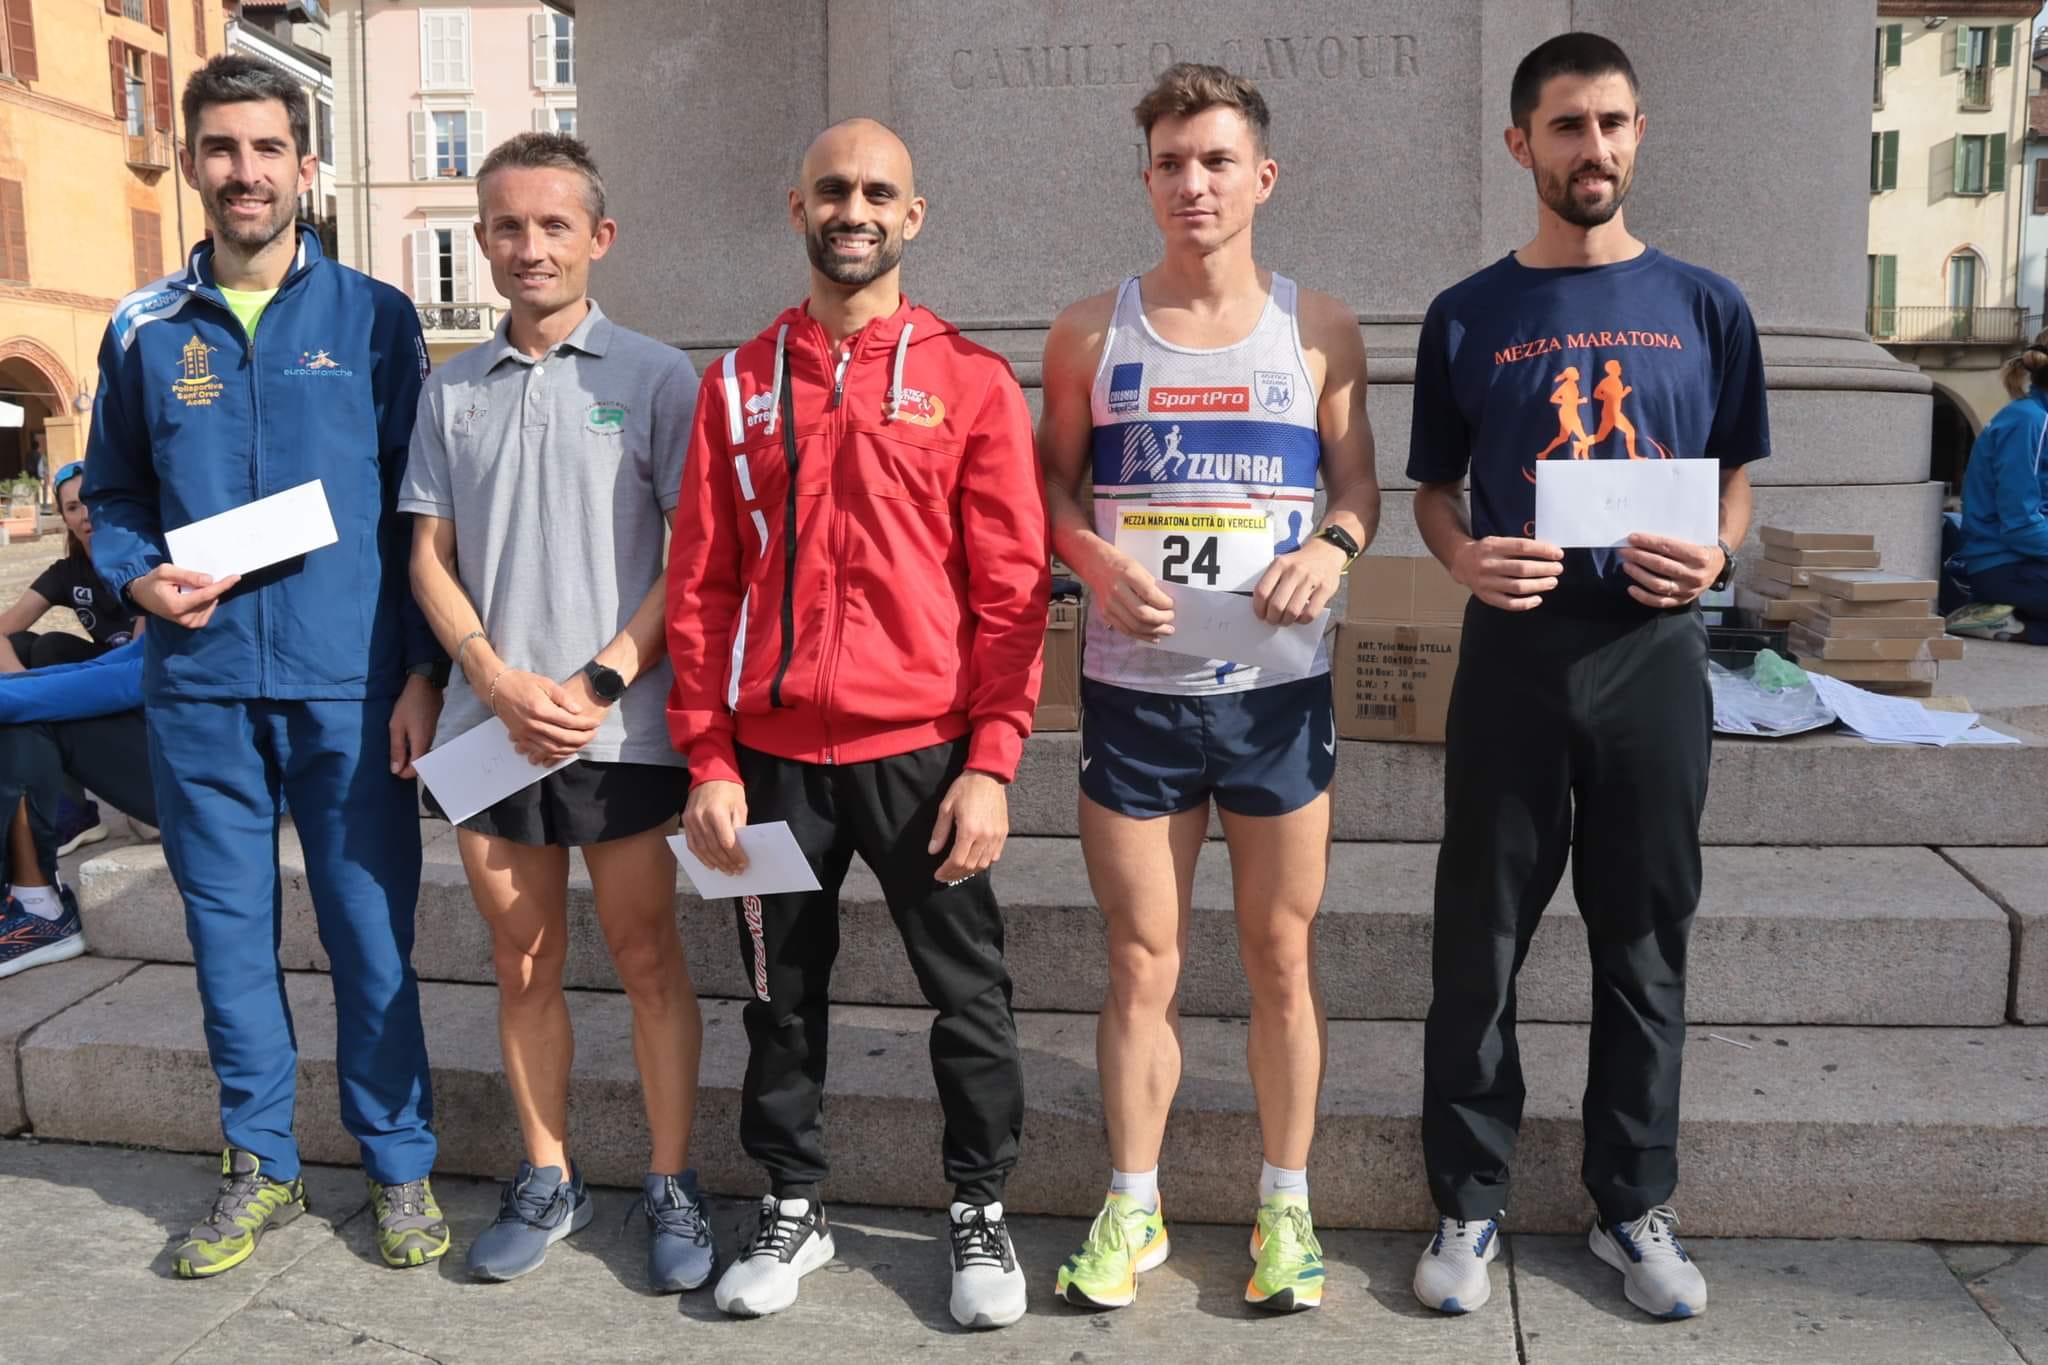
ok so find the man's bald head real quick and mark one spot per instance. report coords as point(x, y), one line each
point(855, 202)
point(858, 143)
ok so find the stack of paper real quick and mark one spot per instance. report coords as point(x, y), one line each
point(1901, 720)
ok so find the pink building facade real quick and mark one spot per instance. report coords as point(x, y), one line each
point(423, 91)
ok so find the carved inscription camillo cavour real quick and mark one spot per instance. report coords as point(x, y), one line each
point(1329, 57)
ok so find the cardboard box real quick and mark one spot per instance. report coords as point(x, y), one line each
point(1772, 610)
point(1410, 589)
point(1868, 671)
point(1798, 538)
point(1816, 617)
point(1059, 688)
point(1397, 649)
point(1793, 575)
point(1392, 680)
point(1948, 647)
point(1831, 647)
point(1820, 559)
point(1783, 592)
point(1872, 585)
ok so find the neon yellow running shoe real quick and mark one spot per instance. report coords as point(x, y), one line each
point(1124, 1240)
point(410, 1228)
point(249, 1204)
point(1288, 1272)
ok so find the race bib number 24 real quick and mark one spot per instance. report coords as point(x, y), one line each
point(1221, 550)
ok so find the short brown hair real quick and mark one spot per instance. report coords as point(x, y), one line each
point(1187, 88)
point(546, 151)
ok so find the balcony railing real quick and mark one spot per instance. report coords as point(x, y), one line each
point(1937, 326)
point(1976, 87)
point(151, 151)
point(449, 319)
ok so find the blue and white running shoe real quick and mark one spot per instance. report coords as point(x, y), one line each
point(1656, 1273)
point(30, 940)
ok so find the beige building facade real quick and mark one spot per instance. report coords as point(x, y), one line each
point(1949, 88)
point(422, 93)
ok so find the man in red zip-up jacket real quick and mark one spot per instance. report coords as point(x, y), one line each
point(856, 605)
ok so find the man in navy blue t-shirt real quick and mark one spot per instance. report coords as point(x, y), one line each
point(1580, 721)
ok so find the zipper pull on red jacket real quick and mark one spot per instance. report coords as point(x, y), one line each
point(839, 375)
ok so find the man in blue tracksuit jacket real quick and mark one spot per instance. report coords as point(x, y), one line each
point(308, 685)
point(2004, 550)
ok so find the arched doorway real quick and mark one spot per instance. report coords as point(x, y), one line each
point(36, 381)
point(1954, 432)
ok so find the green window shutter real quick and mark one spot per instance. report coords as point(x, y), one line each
point(2005, 45)
point(1894, 35)
point(1957, 180)
point(1876, 162)
point(1888, 177)
point(1887, 283)
point(1994, 164)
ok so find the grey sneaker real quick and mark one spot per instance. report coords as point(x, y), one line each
point(539, 1209)
point(248, 1205)
point(680, 1253)
point(792, 1240)
point(988, 1286)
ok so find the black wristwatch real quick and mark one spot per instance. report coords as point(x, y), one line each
point(1727, 567)
point(605, 682)
point(1340, 538)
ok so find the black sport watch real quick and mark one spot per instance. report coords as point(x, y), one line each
point(1727, 567)
point(1340, 538)
point(605, 682)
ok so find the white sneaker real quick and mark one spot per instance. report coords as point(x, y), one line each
point(1451, 1277)
point(1656, 1274)
point(988, 1286)
point(793, 1240)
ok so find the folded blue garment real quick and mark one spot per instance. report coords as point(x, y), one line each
point(98, 687)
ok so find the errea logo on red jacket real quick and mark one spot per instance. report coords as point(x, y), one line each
point(1237, 399)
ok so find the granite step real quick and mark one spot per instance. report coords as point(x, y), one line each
point(1792, 936)
point(1796, 1131)
point(1823, 789)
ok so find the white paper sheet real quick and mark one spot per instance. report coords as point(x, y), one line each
point(256, 534)
point(479, 768)
point(774, 865)
point(1892, 720)
point(1222, 625)
point(1600, 503)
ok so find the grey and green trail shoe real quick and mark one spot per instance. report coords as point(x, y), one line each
point(410, 1229)
point(249, 1204)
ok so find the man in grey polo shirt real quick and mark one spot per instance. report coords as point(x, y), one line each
point(545, 464)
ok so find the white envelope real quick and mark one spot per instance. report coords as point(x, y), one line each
point(256, 534)
point(1598, 504)
point(1222, 625)
point(774, 865)
point(479, 768)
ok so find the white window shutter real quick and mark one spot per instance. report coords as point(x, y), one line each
point(476, 141)
point(540, 37)
point(459, 34)
point(422, 265)
point(426, 51)
point(422, 145)
point(459, 285)
point(540, 119)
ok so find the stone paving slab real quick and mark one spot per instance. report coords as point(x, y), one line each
point(882, 1300)
point(93, 1282)
point(29, 998)
point(2017, 880)
point(1844, 1303)
point(2011, 1285)
point(1813, 936)
point(1829, 1131)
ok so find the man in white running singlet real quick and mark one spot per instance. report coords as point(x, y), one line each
point(1202, 399)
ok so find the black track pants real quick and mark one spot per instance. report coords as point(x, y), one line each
point(1587, 738)
point(883, 810)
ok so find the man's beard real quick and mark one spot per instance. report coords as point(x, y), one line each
point(887, 253)
point(248, 236)
point(1557, 194)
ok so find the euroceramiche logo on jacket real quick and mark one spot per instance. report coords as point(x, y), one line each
point(318, 365)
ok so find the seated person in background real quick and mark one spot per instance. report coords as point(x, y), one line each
point(2004, 551)
point(70, 582)
point(81, 722)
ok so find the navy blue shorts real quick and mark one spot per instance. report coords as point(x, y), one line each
point(1263, 752)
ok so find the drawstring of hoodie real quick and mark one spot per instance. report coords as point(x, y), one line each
point(775, 393)
point(896, 378)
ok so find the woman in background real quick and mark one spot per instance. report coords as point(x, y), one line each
point(2004, 550)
